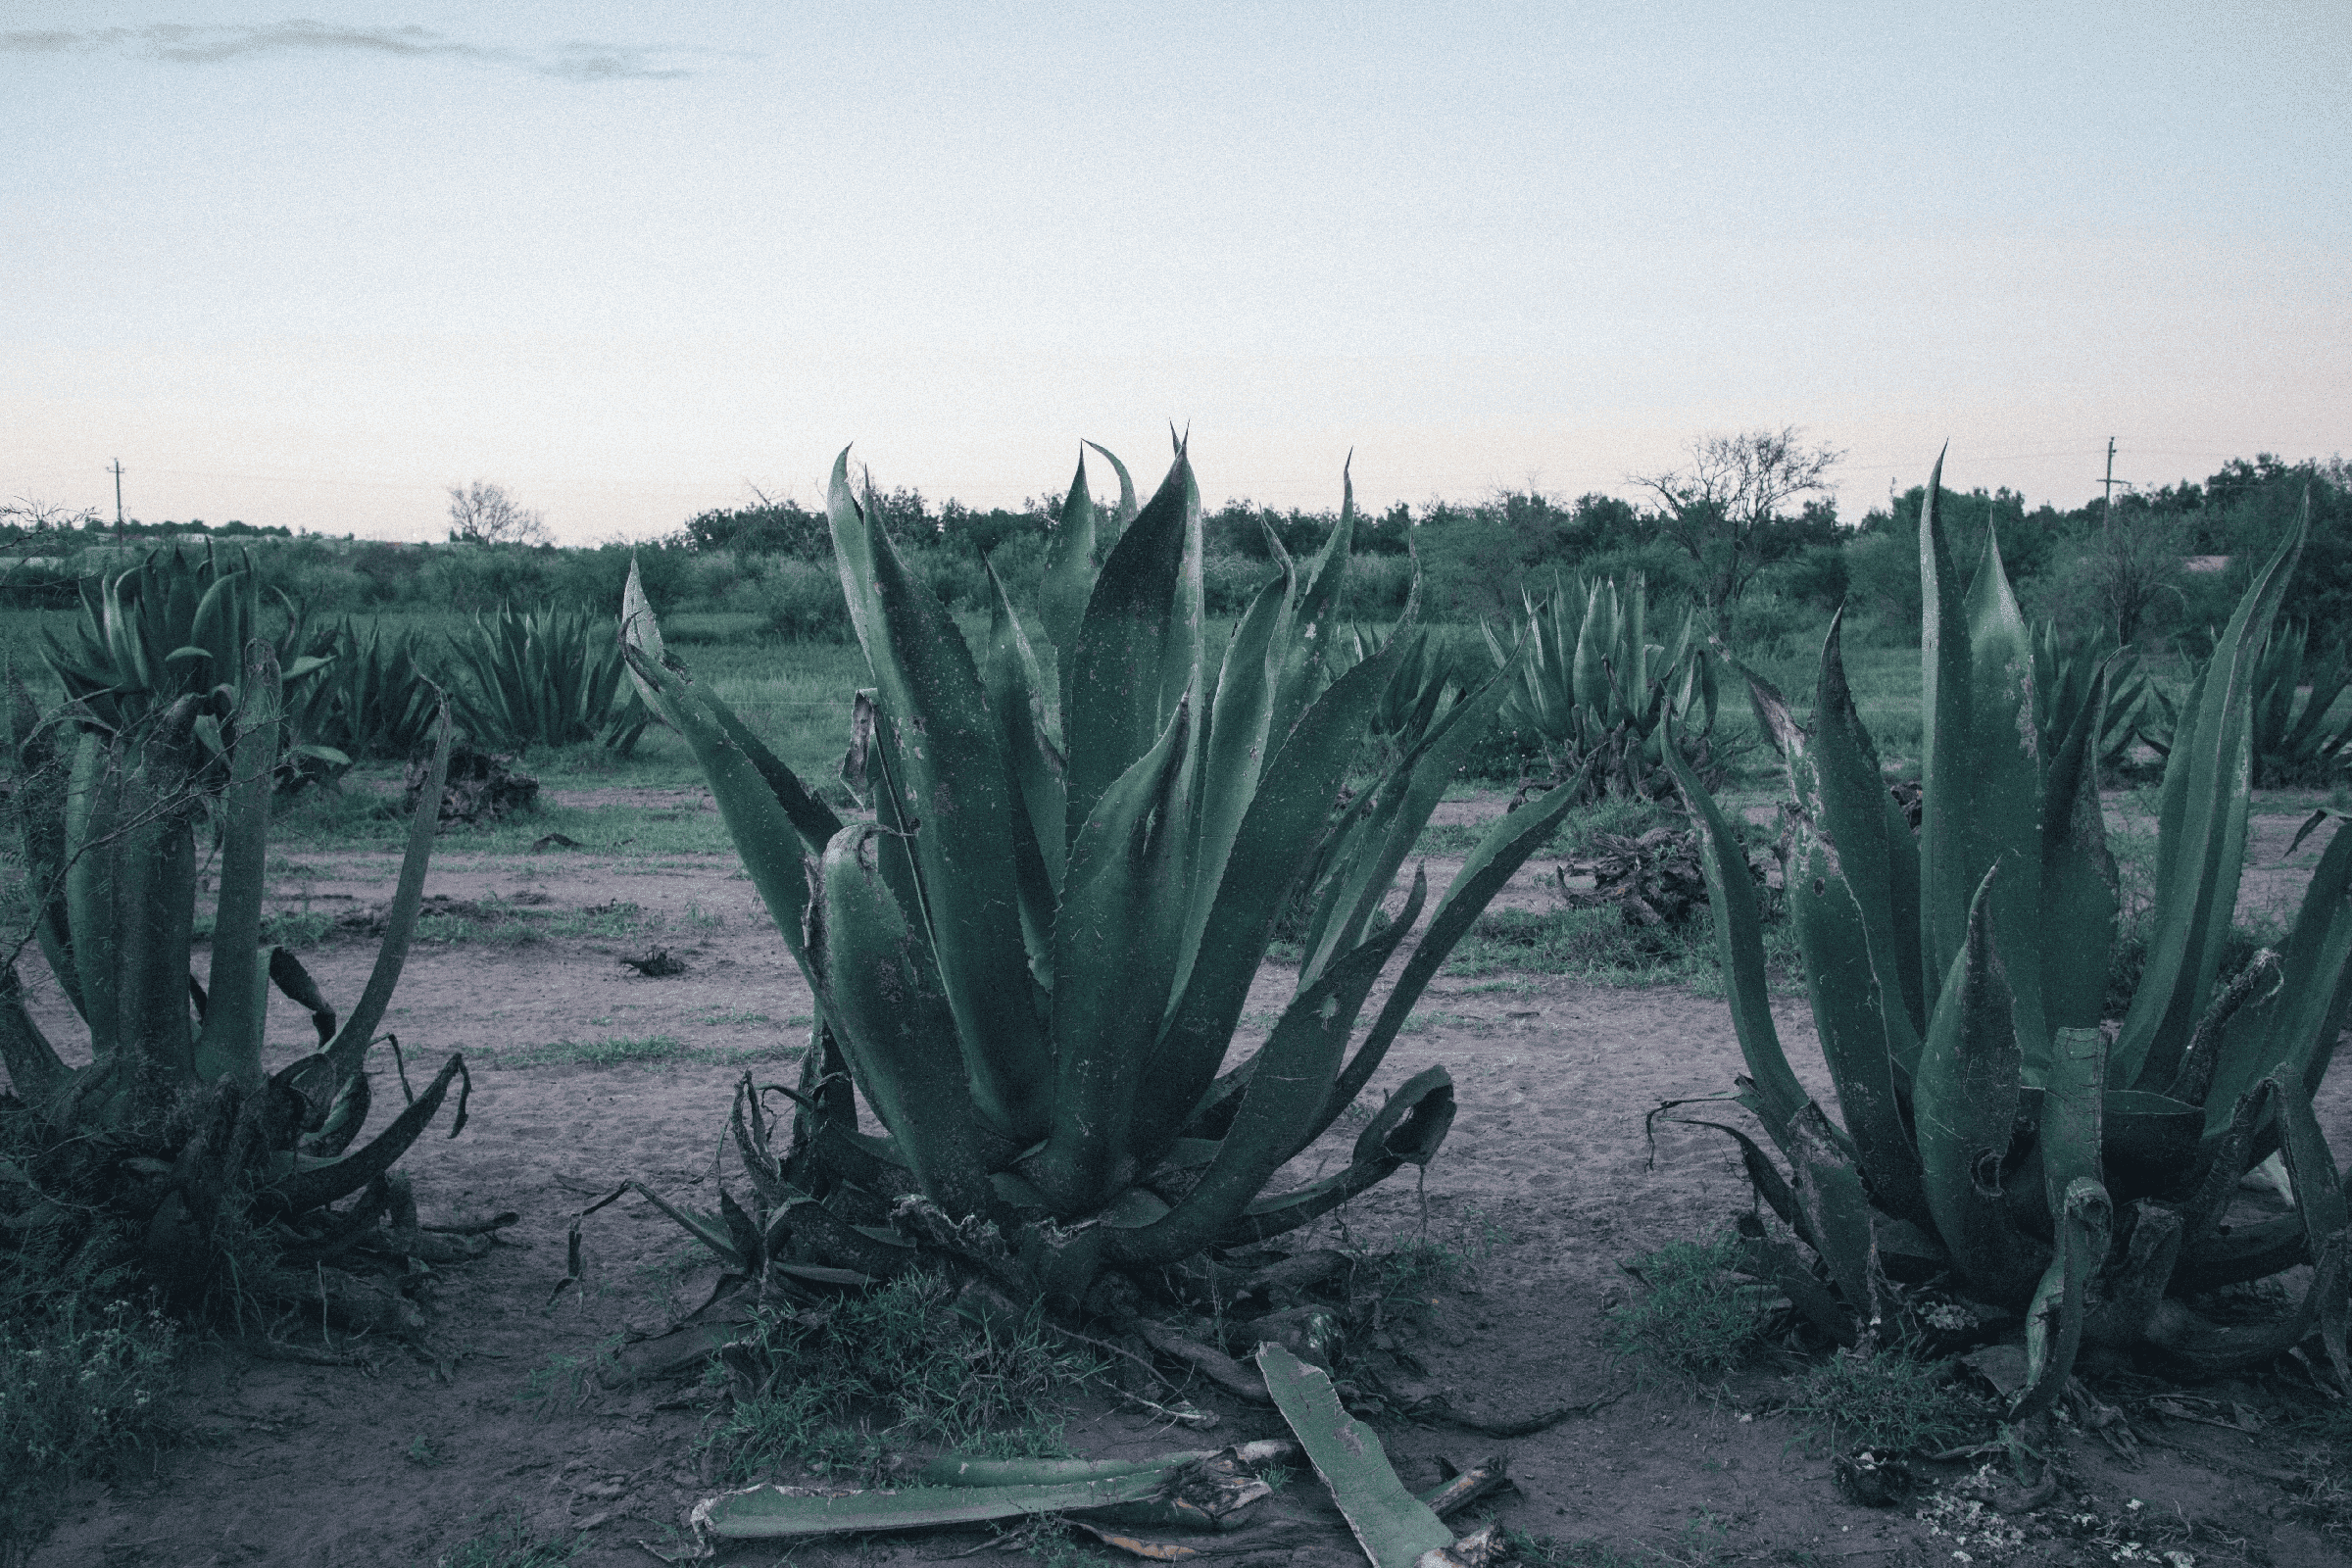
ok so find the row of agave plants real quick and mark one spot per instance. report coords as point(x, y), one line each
point(1029, 965)
point(180, 624)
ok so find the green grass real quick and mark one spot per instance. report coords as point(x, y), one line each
point(832, 1388)
point(1693, 1314)
point(616, 1051)
point(509, 1543)
point(1892, 1401)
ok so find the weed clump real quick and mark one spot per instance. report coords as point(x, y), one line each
point(832, 1387)
point(1891, 1401)
point(81, 1388)
point(1695, 1314)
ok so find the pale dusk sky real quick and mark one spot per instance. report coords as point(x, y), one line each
point(311, 268)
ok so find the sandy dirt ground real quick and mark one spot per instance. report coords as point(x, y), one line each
point(400, 1459)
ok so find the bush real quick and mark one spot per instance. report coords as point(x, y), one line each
point(799, 600)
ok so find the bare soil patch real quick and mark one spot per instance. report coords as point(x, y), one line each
point(1546, 1185)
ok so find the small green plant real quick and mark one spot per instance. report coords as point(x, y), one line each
point(899, 1364)
point(509, 1543)
point(423, 1453)
point(79, 1388)
point(1891, 1401)
point(563, 1381)
point(1694, 1313)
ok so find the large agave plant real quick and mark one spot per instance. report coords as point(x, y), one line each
point(1595, 689)
point(1998, 1134)
point(176, 625)
point(173, 1136)
point(2296, 739)
point(1031, 963)
point(543, 678)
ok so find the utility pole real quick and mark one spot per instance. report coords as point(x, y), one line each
point(2108, 522)
point(118, 472)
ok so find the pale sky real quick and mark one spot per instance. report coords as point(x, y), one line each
point(311, 268)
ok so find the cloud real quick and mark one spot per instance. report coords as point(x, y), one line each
point(209, 44)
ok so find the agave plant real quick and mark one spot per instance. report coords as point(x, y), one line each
point(176, 625)
point(543, 678)
point(1417, 695)
point(1595, 686)
point(1032, 963)
point(2066, 674)
point(2295, 740)
point(372, 698)
point(1995, 1136)
point(172, 1150)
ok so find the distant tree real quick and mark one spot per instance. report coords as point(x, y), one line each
point(42, 517)
point(1723, 509)
point(484, 513)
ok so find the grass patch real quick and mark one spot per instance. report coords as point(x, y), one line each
point(296, 928)
point(509, 1543)
point(1893, 1400)
point(834, 1389)
point(620, 1050)
point(1694, 1313)
point(614, 919)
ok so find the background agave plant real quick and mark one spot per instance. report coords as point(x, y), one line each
point(172, 1155)
point(543, 678)
point(2295, 738)
point(373, 698)
point(1032, 963)
point(1595, 688)
point(1996, 1136)
point(176, 625)
point(2067, 674)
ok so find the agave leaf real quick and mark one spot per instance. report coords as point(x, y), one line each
point(93, 809)
point(883, 991)
point(2314, 992)
point(1491, 863)
point(772, 1512)
point(967, 1470)
point(1132, 662)
point(2320, 1199)
point(2210, 1350)
point(1126, 511)
point(2078, 874)
point(2204, 818)
point(2070, 1130)
point(1314, 638)
point(1040, 849)
point(1275, 842)
point(41, 790)
point(1069, 578)
point(1945, 735)
point(1965, 1101)
point(1877, 855)
point(1782, 1267)
point(1287, 1086)
point(2003, 824)
point(1393, 1526)
point(2054, 1321)
point(1739, 949)
point(1403, 802)
point(1238, 750)
point(953, 784)
point(400, 921)
point(312, 1185)
point(1115, 951)
point(230, 1045)
point(1407, 1130)
point(1829, 1194)
point(1864, 1031)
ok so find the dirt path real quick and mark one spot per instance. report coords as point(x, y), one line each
point(1548, 1173)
